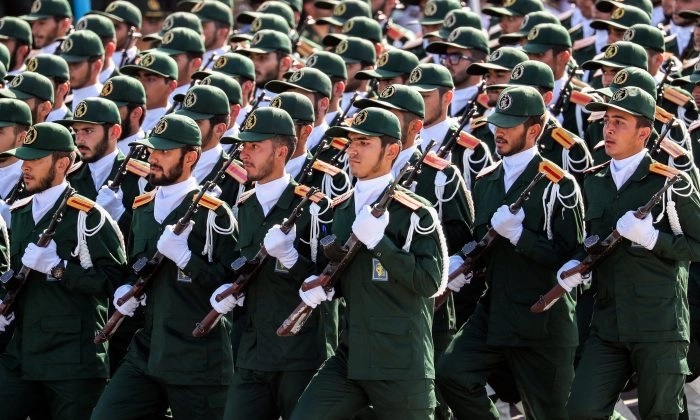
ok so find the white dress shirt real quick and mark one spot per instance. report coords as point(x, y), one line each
point(368, 191)
point(269, 192)
point(9, 175)
point(91, 91)
point(43, 202)
point(206, 162)
point(621, 170)
point(168, 197)
point(514, 165)
point(100, 170)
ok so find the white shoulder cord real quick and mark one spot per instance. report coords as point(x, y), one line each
point(551, 196)
point(685, 141)
point(83, 232)
point(474, 166)
point(673, 219)
point(574, 165)
point(212, 228)
point(330, 190)
point(315, 227)
point(440, 183)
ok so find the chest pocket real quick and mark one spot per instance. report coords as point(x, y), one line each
point(595, 224)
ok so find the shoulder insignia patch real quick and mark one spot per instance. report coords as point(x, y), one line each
point(433, 160)
point(237, 172)
point(138, 167)
point(342, 197)
point(487, 170)
point(21, 203)
point(583, 43)
point(594, 169)
point(564, 137)
point(661, 169)
point(143, 199)
point(467, 140)
point(246, 195)
point(581, 98)
point(694, 125)
point(676, 96)
point(210, 202)
point(673, 149)
point(339, 143)
point(81, 203)
point(407, 200)
point(326, 167)
point(301, 190)
point(662, 115)
point(478, 122)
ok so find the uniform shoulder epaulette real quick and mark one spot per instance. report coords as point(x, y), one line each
point(138, 167)
point(21, 202)
point(487, 170)
point(435, 161)
point(468, 141)
point(564, 137)
point(80, 203)
point(594, 169)
point(246, 195)
point(407, 200)
point(237, 172)
point(584, 42)
point(301, 190)
point(673, 149)
point(478, 122)
point(342, 197)
point(676, 95)
point(142, 199)
point(210, 202)
point(694, 126)
point(664, 170)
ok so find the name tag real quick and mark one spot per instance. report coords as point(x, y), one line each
point(279, 268)
point(378, 271)
point(182, 277)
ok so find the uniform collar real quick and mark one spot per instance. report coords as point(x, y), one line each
point(101, 169)
point(9, 175)
point(206, 162)
point(295, 165)
point(435, 132)
point(461, 98)
point(168, 197)
point(404, 156)
point(44, 201)
point(269, 192)
point(85, 92)
point(622, 170)
point(368, 191)
point(514, 165)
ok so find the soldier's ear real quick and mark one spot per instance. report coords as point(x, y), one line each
point(548, 96)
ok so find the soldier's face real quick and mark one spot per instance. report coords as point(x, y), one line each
point(266, 67)
point(458, 70)
point(166, 166)
point(510, 24)
point(92, 141)
point(680, 5)
point(44, 31)
point(80, 74)
point(615, 34)
point(39, 174)
point(510, 141)
point(10, 138)
point(207, 132)
point(259, 160)
point(495, 77)
point(696, 95)
point(121, 30)
point(156, 88)
point(352, 84)
point(608, 75)
point(366, 156)
point(622, 136)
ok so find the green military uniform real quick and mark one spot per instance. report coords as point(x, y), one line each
point(165, 364)
point(537, 348)
point(640, 319)
point(58, 311)
point(271, 371)
point(13, 113)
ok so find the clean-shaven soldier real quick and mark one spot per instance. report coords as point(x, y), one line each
point(129, 96)
point(84, 53)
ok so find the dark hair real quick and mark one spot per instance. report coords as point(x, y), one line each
point(130, 107)
point(643, 122)
point(536, 119)
point(290, 142)
point(478, 55)
point(221, 25)
point(219, 119)
point(59, 154)
point(192, 55)
point(558, 49)
point(19, 127)
point(191, 148)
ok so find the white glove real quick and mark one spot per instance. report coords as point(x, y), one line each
point(281, 246)
point(5, 212)
point(41, 259)
point(640, 231)
point(111, 201)
point(129, 307)
point(216, 191)
point(369, 229)
point(573, 281)
point(316, 295)
point(6, 320)
point(507, 224)
point(228, 303)
point(458, 282)
point(174, 247)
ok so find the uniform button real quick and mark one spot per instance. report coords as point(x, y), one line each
point(378, 254)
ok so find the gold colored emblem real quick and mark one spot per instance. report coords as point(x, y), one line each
point(611, 51)
point(430, 8)
point(534, 32)
point(276, 103)
point(383, 59)
point(168, 23)
point(504, 102)
point(517, 72)
point(697, 67)
point(415, 75)
point(153, 5)
point(340, 9)
point(617, 14)
point(621, 77)
point(523, 25)
point(311, 62)
point(190, 100)
point(250, 122)
point(111, 7)
point(148, 60)
point(388, 92)
point(107, 88)
point(197, 7)
point(31, 136)
point(17, 80)
point(628, 35)
point(256, 25)
point(82, 24)
point(161, 126)
point(257, 38)
point(450, 20)
point(509, 3)
point(206, 81)
point(342, 47)
point(453, 35)
point(296, 76)
point(360, 118)
point(347, 26)
point(220, 62)
point(81, 109)
point(620, 94)
point(36, 6)
point(67, 45)
point(263, 7)
point(32, 64)
point(168, 38)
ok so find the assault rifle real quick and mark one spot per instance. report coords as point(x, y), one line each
point(413, 173)
point(558, 107)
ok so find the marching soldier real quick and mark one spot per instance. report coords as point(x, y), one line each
point(537, 348)
point(165, 365)
point(531, 20)
point(51, 23)
point(217, 20)
point(51, 363)
point(393, 68)
point(271, 371)
point(333, 66)
point(385, 357)
point(16, 118)
point(55, 68)
point(129, 96)
point(16, 35)
point(186, 47)
point(35, 90)
point(174, 20)
point(234, 95)
point(640, 318)
point(511, 15)
point(126, 18)
point(358, 54)
point(435, 85)
point(84, 53)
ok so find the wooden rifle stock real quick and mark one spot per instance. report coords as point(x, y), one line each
point(238, 287)
point(14, 282)
point(330, 274)
point(145, 269)
point(597, 251)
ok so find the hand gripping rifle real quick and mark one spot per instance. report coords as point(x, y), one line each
point(413, 173)
point(558, 107)
point(145, 269)
point(597, 250)
point(13, 282)
point(340, 258)
point(248, 270)
point(474, 251)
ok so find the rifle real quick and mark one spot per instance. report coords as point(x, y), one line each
point(597, 250)
point(657, 145)
point(307, 170)
point(340, 116)
point(418, 166)
point(340, 258)
point(558, 107)
point(473, 252)
point(146, 269)
point(256, 104)
point(248, 270)
point(122, 171)
point(13, 282)
point(666, 67)
point(129, 39)
point(464, 119)
point(16, 191)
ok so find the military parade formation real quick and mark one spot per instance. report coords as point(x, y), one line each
point(349, 209)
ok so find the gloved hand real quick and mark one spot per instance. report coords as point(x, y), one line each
point(281, 246)
point(228, 303)
point(5, 212)
point(458, 282)
point(369, 229)
point(129, 307)
point(640, 231)
point(111, 201)
point(215, 192)
point(41, 259)
point(6, 320)
point(316, 295)
point(174, 247)
point(575, 280)
point(507, 224)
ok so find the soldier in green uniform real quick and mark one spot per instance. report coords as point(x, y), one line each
point(15, 119)
point(55, 69)
point(272, 371)
point(16, 35)
point(385, 357)
point(51, 363)
point(434, 14)
point(129, 96)
point(34, 89)
point(165, 365)
point(537, 348)
point(393, 67)
point(234, 95)
point(85, 55)
point(617, 56)
point(103, 28)
point(124, 16)
point(640, 318)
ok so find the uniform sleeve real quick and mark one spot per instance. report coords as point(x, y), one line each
point(685, 247)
